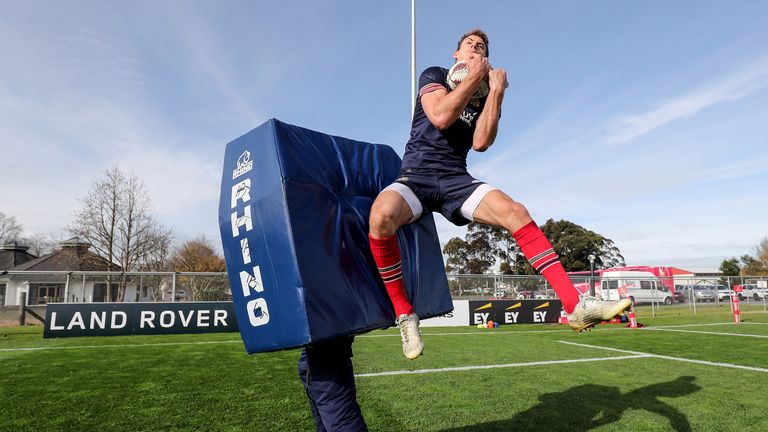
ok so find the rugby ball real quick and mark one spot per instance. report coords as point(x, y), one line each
point(456, 75)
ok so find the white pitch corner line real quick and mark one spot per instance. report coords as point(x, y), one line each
point(680, 359)
point(704, 332)
point(729, 323)
point(562, 330)
point(496, 366)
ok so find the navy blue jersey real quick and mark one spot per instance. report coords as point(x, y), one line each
point(433, 149)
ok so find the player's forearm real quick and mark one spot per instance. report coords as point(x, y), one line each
point(449, 107)
point(488, 122)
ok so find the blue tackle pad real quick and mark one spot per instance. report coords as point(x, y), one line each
point(293, 215)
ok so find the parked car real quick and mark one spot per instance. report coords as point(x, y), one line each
point(679, 295)
point(754, 292)
point(537, 295)
point(724, 293)
point(699, 293)
point(523, 295)
point(640, 286)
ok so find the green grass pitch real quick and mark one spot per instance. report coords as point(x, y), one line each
point(682, 372)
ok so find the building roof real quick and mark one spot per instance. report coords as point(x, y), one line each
point(13, 254)
point(72, 256)
point(674, 271)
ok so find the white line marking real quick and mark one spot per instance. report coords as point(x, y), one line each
point(239, 341)
point(563, 330)
point(682, 359)
point(116, 346)
point(704, 332)
point(695, 325)
point(730, 323)
point(496, 366)
point(486, 333)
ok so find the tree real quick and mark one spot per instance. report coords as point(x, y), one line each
point(40, 244)
point(199, 256)
point(761, 251)
point(503, 248)
point(574, 243)
point(9, 228)
point(609, 256)
point(730, 267)
point(486, 245)
point(480, 249)
point(115, 219)
point(473, 255)
point(455, 252)
point(752, 266)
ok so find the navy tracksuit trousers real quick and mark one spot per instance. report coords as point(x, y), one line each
point(325, 370)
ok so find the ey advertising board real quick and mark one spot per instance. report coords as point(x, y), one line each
point(474, 312)
point(514, 311)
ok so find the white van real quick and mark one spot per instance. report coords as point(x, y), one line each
point(642, 287)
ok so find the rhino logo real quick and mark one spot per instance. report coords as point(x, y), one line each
point(244, 164)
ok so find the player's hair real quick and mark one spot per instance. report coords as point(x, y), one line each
point(476, 32)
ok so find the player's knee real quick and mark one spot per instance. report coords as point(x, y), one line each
point(382, 224)
point(516, 216)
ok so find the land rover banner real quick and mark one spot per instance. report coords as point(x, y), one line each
point(514, 311)
point(119, 319)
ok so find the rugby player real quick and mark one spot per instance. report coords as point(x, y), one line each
point(433, 178)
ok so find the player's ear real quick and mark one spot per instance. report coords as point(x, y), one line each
point(456, 54)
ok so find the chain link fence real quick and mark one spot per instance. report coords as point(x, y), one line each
point(105, 287)
point(659, 295)
point(662, 296)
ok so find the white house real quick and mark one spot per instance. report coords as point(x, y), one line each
point(68, 274)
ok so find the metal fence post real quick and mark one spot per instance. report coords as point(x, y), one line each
point(22, 308)
point(693, 295)
point(765, 296)
point(66, 289)
point(173, 288)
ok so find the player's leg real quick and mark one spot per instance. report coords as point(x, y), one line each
point(304, 376)
point(326, 372)
point(394, 207)
point(390, 211)
point(498, 209)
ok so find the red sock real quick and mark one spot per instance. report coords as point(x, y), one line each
point(386, 253)
point(538, 251)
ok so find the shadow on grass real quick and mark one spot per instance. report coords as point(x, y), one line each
point(588, 406)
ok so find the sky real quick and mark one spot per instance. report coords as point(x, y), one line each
point(642, 121)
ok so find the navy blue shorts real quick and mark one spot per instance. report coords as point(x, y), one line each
point(455, 195)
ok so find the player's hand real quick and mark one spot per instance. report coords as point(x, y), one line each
point(497, 79)
point(478, 65)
